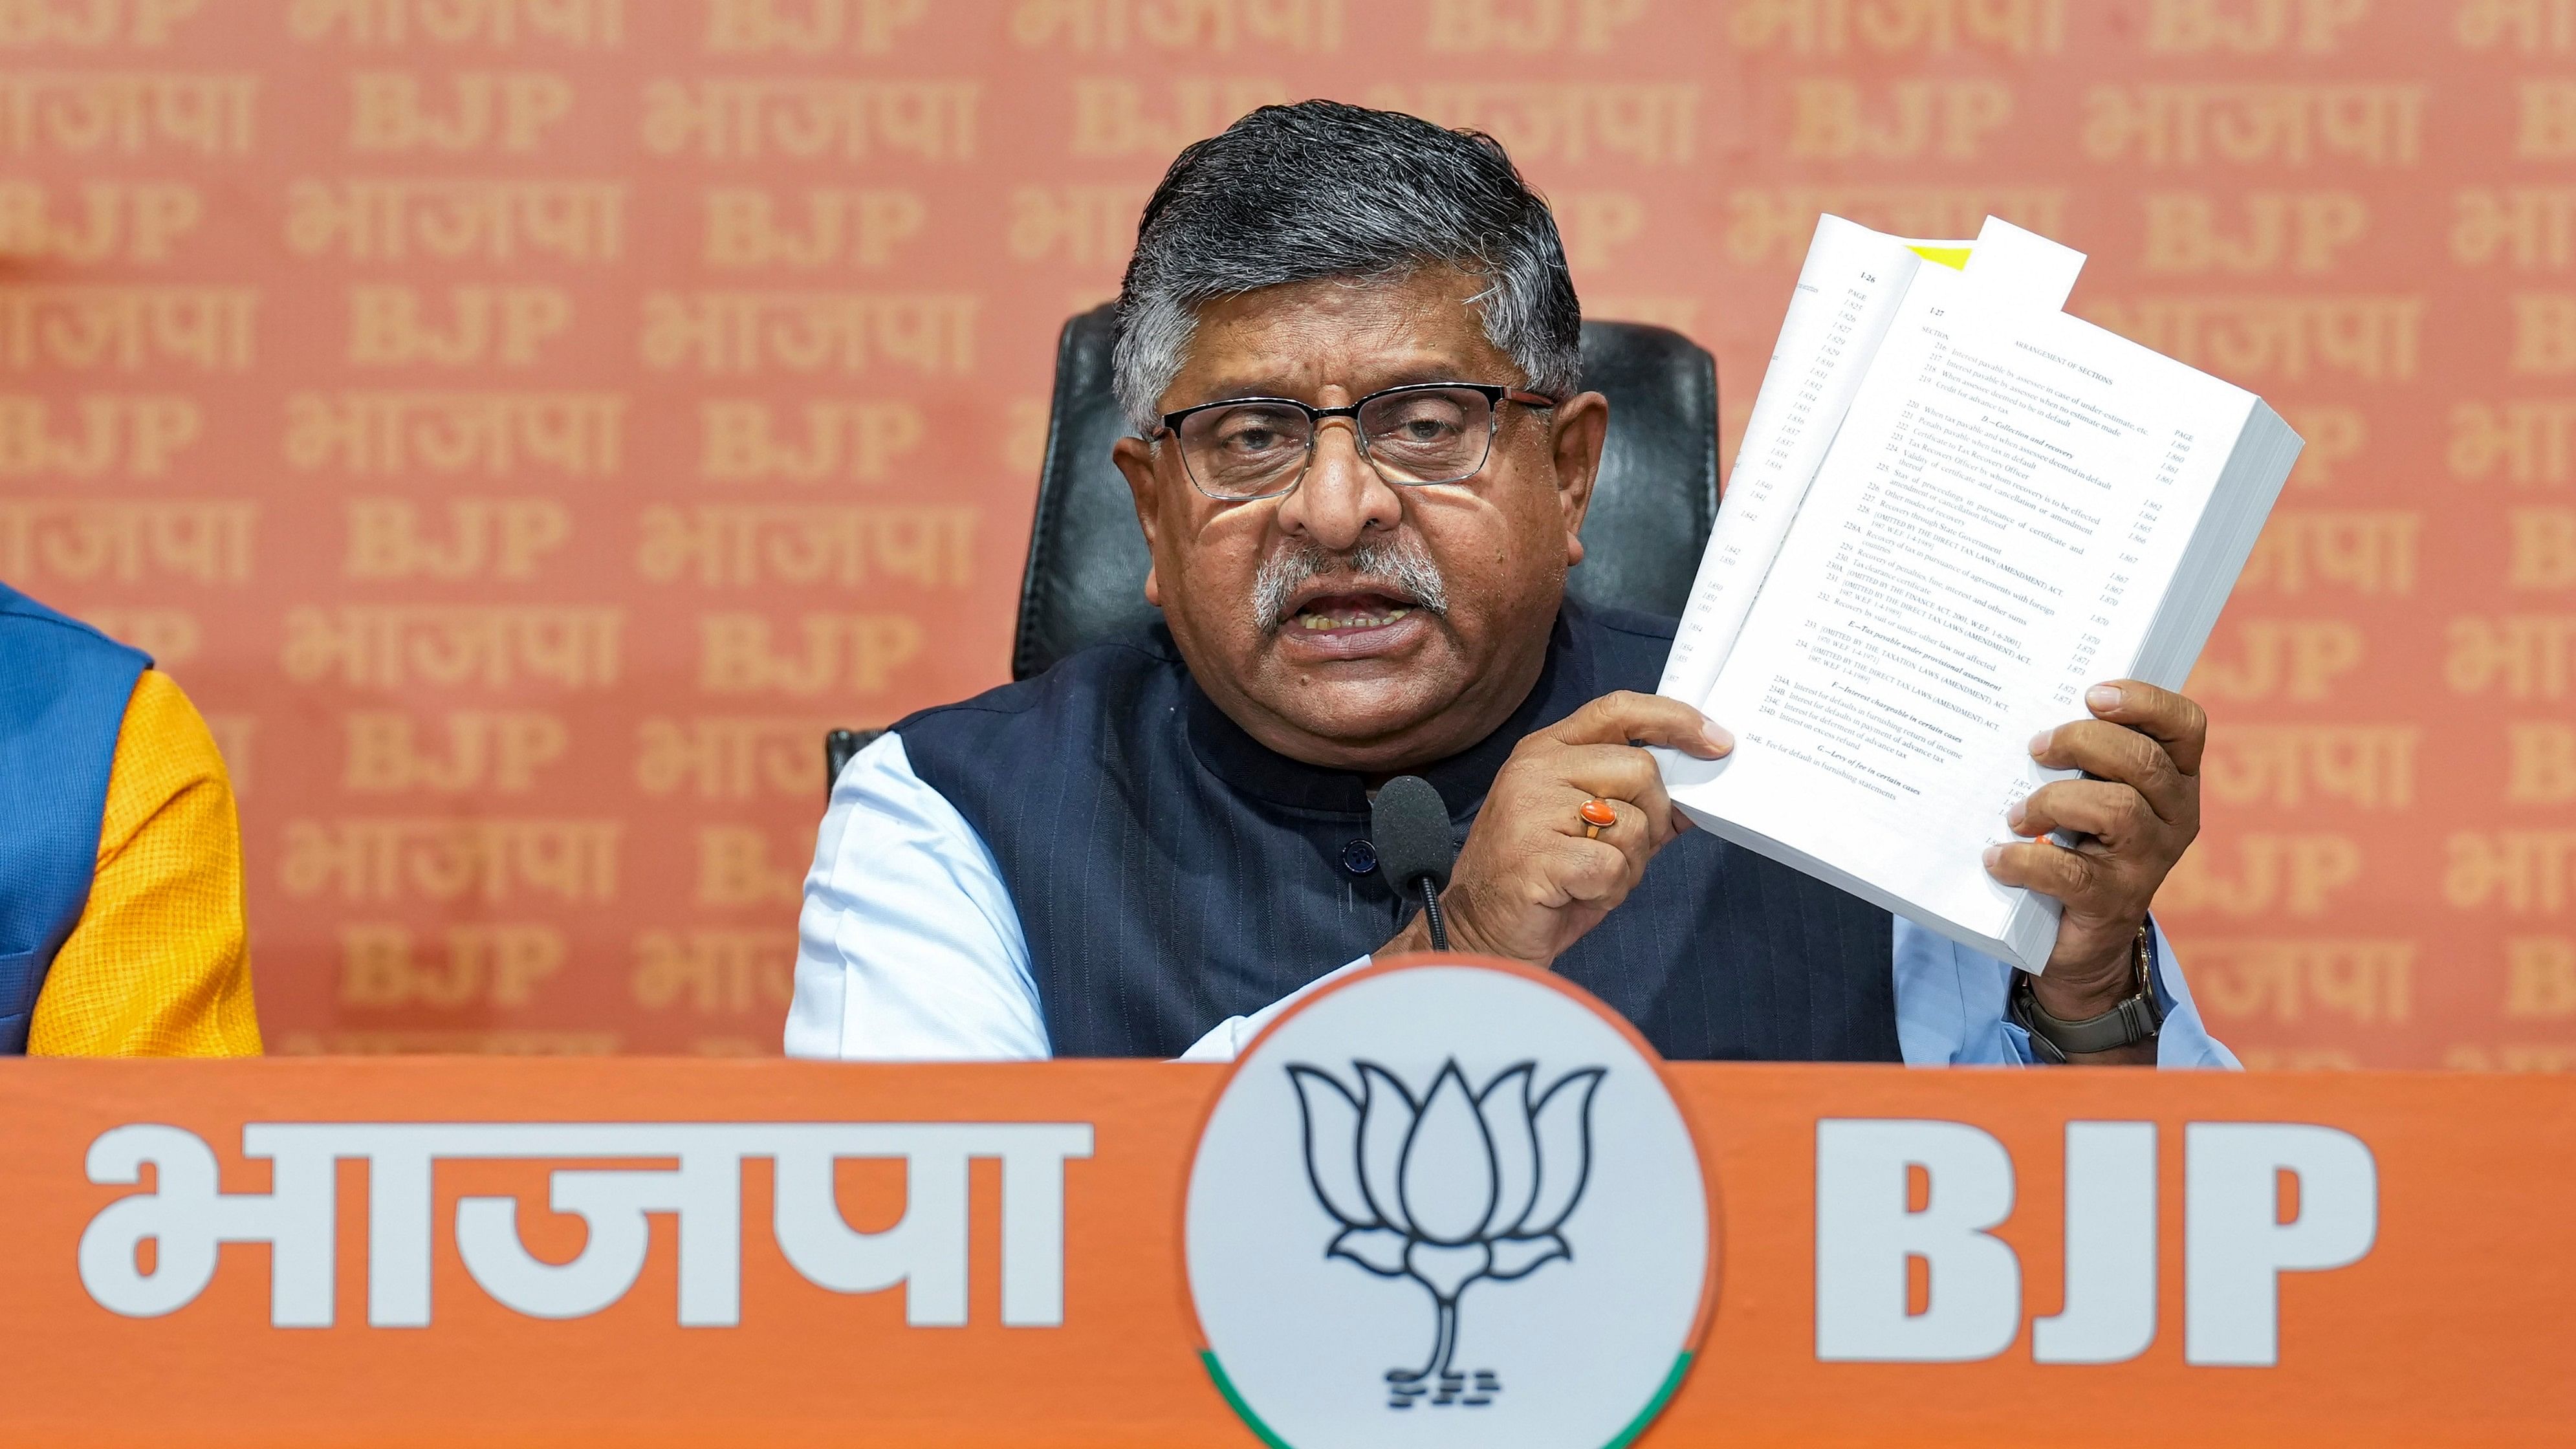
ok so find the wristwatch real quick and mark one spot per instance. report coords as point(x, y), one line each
point(2054, 1038)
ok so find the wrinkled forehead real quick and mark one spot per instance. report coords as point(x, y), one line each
point(1333, 340)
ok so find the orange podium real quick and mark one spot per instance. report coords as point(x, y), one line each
point(442, 1251)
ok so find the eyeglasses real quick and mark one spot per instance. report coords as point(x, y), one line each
point(1240, 449)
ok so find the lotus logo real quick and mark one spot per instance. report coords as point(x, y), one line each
point(1448, 1187)
point(1481, 1134)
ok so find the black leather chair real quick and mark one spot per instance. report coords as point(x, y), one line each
point(1651, 509)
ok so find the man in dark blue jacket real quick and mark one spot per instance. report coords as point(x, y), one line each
point(1349, 347)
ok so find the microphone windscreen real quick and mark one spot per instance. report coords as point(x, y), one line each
point(1409, 824)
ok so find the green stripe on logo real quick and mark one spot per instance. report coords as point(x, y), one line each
point(1235, 1402)
point(1654, 1406)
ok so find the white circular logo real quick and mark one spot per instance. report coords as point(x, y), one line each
point(1448, 1204)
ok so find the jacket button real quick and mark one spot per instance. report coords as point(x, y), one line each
point(1360, 858)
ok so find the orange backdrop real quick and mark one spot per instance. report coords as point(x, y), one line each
point(525, 425)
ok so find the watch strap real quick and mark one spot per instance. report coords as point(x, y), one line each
point(2136, 1019)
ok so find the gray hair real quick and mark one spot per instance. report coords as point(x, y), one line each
point(1324, 190)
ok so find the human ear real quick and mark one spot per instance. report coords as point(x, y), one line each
point(1135, 460)
point(1578, 426)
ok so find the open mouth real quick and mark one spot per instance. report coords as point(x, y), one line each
point(1328, 613)
point(1378, 601)
point(1325, 609)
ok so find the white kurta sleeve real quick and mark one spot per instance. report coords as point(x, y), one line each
point(908, 948)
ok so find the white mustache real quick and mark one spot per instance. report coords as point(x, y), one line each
point(1401, 562)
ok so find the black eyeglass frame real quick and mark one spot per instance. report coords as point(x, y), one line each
point(1494, 393)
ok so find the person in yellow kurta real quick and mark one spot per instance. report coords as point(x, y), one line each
point(159, 965)
point(157, 961)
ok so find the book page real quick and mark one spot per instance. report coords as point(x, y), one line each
point(1993, 530)
point(1849, 289)
point(1847, 293)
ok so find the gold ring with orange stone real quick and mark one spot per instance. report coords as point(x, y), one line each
point(1598, 815)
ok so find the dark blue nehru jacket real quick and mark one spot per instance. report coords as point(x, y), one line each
point(1170, 872)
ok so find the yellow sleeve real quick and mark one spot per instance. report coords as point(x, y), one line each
point(159, 965)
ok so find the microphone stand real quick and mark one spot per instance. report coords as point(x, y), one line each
point(1431, 913)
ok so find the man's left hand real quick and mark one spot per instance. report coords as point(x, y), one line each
point(2135, 819)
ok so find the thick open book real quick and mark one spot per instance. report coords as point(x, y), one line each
point(1955, 507)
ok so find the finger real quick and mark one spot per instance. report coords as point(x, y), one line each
point(1634, 833)
point(2172, 720)
point(2046, 868)
point(1618, 718)
point(2118, 753)
point(1617, 773)
point(2117, 814)
point(1590, 872)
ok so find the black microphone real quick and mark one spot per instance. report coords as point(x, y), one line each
point(1409, 824)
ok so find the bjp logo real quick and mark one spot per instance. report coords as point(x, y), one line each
point(1478, 1133)
point(1448, 1187)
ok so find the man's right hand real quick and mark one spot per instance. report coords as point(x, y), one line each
point(1528, 884)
